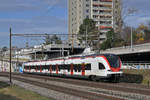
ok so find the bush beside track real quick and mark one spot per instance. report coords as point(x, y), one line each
point(137, 76)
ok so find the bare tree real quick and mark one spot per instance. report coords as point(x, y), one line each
point(125, 12)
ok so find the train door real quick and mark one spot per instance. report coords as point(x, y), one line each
point(71, 67)
point(94, 67)
point(40, 68)
point(83, 69)
point(56, 69)
point(101, 68)
point(25, 68)
point(50, 69)
point(36, 69)
point(29, 68)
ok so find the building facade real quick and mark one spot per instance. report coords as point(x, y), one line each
point(106, 14)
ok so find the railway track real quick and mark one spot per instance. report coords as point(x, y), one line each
point(86, 89)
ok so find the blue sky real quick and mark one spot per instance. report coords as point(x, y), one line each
point(50, 16)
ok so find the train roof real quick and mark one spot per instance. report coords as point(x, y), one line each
point(75, 56)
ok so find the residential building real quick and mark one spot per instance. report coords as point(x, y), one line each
point(106, 14)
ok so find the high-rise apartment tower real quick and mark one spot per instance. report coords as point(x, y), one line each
point(106, 14)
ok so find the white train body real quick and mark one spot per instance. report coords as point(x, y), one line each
point(104, 66)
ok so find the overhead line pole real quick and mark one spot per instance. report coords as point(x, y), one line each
point(10, 57)
point(86, 36)
point(131, 38)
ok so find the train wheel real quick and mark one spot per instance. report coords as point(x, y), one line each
point(94, 78)
point(115, 79)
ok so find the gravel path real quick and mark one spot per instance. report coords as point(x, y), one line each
point(43, 91)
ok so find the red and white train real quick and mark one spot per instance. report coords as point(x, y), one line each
point(95, 67)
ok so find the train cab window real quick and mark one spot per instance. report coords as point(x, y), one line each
point(101, 66)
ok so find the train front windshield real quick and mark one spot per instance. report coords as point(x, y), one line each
point(113, 60)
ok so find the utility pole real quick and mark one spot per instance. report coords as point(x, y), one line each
point(10, 57)
point(131, 39)
point(35, 55)
point(72, 43)
point(86, 38)
point(42, 52)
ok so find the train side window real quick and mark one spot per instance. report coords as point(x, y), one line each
point(59, 67)
point(88, 67)
point(62, 67)
point(38, 67)
point(43, 67)
point(27, 67)
point(30, 67)
point(101, 66)
point(75, 67)
point(65, 67)
point(53, 67)
point(34, 67)
point(79, 67)
point(68, 66)
point(47, 67)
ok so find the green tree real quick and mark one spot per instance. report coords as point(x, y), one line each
point(48, 40)
point(4, 49)
point(52, 39)
point(147, 34)
point(146, 31)
point(89, 31)
point(113, 40)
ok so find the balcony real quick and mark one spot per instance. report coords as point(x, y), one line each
point(103, 36)
point(105, 0)
point(106, 3)
point(106, 13)
point(105, 27)
point(105, 8)
point(104, 31)
point(104, 24)
point(105, 19)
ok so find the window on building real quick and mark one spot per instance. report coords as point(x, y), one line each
point(87, 5)
point(87, 11)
